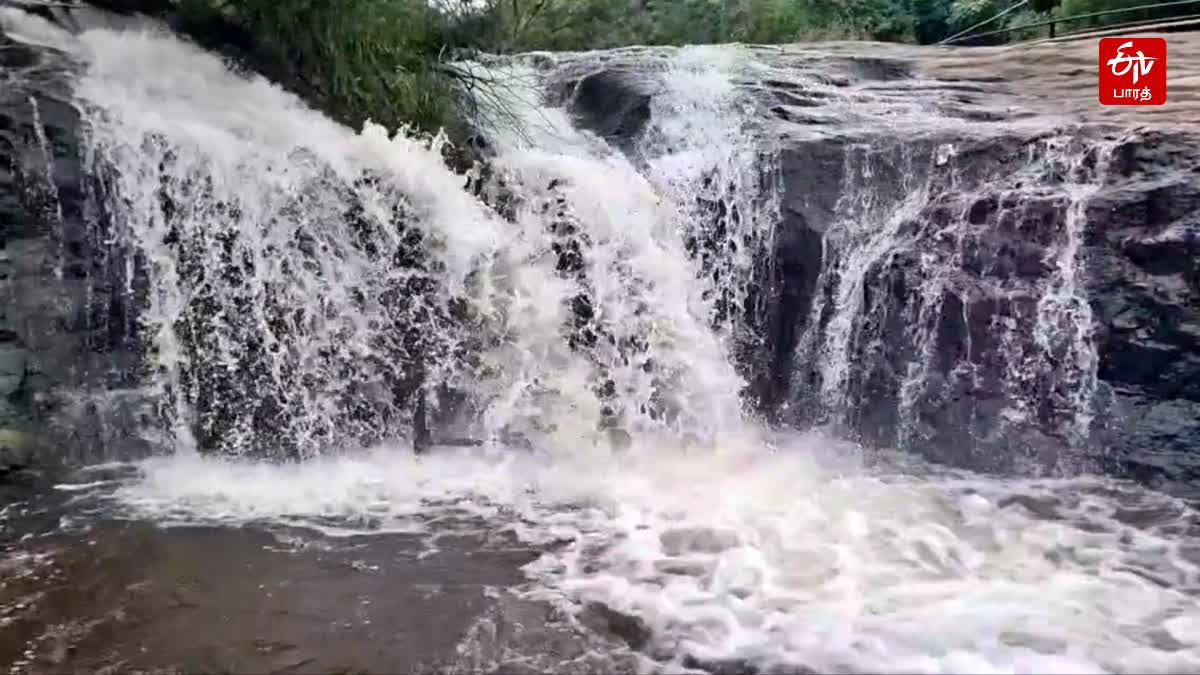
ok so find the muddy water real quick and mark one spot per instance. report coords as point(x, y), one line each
point(87, 592)
point(1049, 79)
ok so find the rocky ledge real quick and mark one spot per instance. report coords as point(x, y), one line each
point(958, 269)
point(1005, 286)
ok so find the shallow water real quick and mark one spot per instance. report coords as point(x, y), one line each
point(802, 556)
point(85, 590)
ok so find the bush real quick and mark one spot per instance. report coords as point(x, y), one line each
point(365, 59)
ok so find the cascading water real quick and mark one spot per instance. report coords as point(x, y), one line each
point(303, 283)
point(704, 152)
point(51, 189)
point(290, 295)
point(299, 310)
point(641, 317)
point(911, 263)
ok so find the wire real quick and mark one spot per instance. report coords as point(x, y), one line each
point(1176, 22)
point(1076, 17)
point(1020, 4)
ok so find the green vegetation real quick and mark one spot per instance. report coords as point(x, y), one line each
point(385, 59)
point(364, 59)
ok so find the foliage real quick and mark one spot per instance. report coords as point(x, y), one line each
point(365, 59)
point(384, 59)
point(594, 24)
point(1076, 7)
point(1032, 20)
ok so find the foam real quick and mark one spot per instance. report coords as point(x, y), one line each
point(784, 558)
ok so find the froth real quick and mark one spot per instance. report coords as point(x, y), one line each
point(783, 558)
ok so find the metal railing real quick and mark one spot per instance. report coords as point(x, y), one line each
point(1052, 22)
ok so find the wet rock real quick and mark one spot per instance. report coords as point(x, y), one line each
point(63, 329)
point(1144, 255)
point(13, 361)
point(604, 619)
point(614, 103)
point(678, 541)
point(141, 6)
point(944, 357)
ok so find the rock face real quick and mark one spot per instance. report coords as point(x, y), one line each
point(1002, 306)
point(1144, 282)
point(974, 278)
point(69, 350)
point(995, 288)
point(28, 236)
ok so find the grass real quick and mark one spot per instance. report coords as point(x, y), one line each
point(364, 59)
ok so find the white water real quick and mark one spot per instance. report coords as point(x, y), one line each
point(671, 371)
point(801, 557)
point(704, 151)
point(255, 273)
point(799, 553)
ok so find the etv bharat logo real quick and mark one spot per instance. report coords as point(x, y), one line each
point(1133, 71)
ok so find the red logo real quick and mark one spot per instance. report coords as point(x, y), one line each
point(1133, 71)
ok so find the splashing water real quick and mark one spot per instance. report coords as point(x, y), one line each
point(296, 270)
point(704, 153)
point(803, 558)
point(299, 272)
point(642, 320)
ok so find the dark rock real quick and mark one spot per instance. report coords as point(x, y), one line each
point(886, 70)
point(614, 103)
point(1144, 253)
point(603, 619)
point(154, 7)
point(991, 241)
point(58, 337)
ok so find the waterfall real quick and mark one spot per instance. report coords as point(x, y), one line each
point(308, 287)
point(667, 260)
point(55, 204)
point(583, 312)
point(706, 151)
point(910, 267)
point(290, 289)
